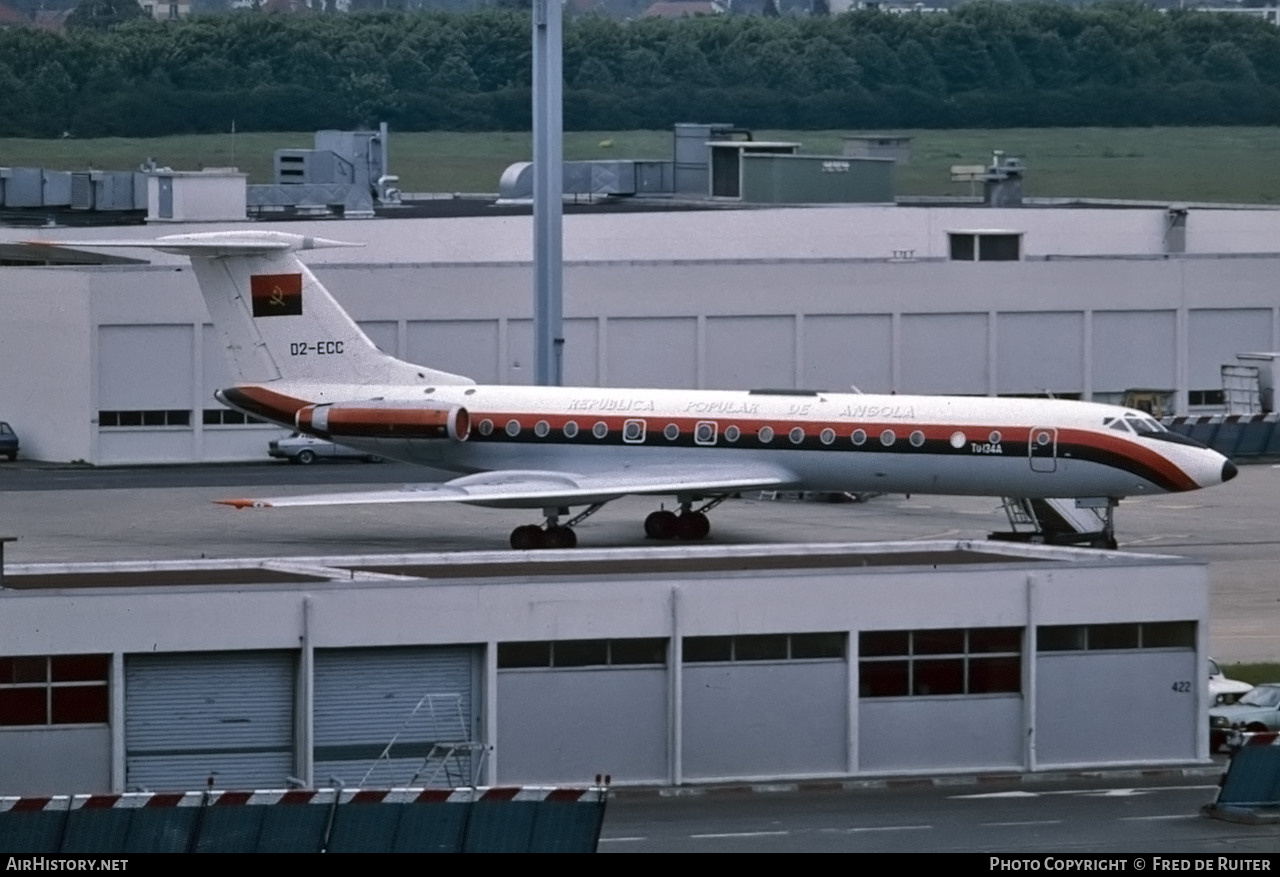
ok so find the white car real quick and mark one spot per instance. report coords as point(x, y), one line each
point(302, 448)
point(1223, 690)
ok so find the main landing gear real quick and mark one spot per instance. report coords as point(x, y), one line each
point(691, 524)
point(553, 534)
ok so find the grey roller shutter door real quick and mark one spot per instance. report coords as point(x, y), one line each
point(225, 715)
point(366, 698)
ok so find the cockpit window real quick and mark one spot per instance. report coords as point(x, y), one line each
point(1117, 424)
point(1143, 424)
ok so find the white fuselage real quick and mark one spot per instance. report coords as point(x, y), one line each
point(826, 441)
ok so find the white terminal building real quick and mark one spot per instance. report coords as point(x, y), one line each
point(118, 362)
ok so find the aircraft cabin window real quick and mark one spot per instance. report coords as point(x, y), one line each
point(827, 436)
point(995, 437)
point(797, 436)
point(731, 433)
point(958, 440)
point(485, 426)
point(888, 437)
point(705, 434)
point(633, 431)
point(917, 439)
point(765, 434)
point(541, 429)
point(600, 430)
point(513, 427)
point(570, 429)
point(671, 431)
point(1043, 439)
point(859, 436)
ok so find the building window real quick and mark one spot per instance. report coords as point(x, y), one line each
point(1116, 637)
point(763, 647)
point(926, 663)
point(227, 417)
point(967, 246)
point(144, 418)
point(582, 653)
point(54, 690)
point(1206, 397)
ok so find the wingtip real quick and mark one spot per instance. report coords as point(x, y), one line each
point(244, 503)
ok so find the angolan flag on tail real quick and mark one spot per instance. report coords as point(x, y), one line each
point(276, 295)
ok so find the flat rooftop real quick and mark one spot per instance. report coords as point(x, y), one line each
point(515, 567)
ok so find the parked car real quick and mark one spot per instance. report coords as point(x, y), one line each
point(8, 441)
point(305, 449)
point(1221, 689)
point(1257, 710)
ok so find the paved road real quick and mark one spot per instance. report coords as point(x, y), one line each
point(66, 514)
point(1116, 814)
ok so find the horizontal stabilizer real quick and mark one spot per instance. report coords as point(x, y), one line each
point(212, 244)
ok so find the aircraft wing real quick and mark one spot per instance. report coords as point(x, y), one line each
point(532, 488)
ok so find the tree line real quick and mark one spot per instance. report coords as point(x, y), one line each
point(982, 65)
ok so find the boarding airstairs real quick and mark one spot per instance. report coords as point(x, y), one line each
point(1059, 521)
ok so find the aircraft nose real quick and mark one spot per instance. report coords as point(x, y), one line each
point(1229, 471)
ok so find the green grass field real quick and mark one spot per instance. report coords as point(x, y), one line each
point(1179, 164)
point(1254, 674)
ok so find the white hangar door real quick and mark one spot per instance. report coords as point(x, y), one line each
point(571, 709)
point(765, 705)
point(225, 715)
point(1120, 693)
point(407, 699)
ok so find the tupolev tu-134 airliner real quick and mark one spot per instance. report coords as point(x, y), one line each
point(303, 363)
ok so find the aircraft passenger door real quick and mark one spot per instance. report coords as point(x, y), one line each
point(1042, 447)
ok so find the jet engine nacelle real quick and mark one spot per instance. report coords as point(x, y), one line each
point(385, 420)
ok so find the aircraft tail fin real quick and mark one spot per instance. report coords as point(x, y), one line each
point(275, 319)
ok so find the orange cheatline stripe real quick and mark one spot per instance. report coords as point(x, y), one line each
point(243, 503)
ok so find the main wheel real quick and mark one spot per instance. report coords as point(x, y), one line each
point(692, 526)
point(306, 457)
point(661, 525)
point(559, 537)
point(526, 538)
